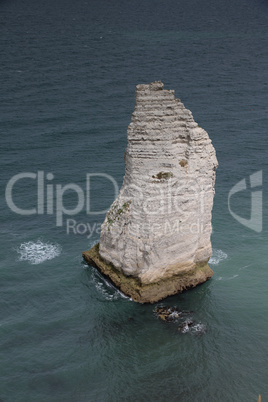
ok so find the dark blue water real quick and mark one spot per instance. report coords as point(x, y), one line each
point(67, 77)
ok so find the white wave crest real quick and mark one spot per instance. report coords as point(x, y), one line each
point(38, 251)
point(217, 257)
point(199, 328)
point(107, 290)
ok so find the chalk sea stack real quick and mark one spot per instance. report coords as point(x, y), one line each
point(155, 239)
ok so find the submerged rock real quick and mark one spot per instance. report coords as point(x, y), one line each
point(192, 327)
point(185, 326)
point(170, 314)
point(183, 318)
point(155, 239)
point(167, 313)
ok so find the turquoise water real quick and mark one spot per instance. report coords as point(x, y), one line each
point(68, 74)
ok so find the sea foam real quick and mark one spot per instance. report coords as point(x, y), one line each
point(106, 289)
point(217, 257)
point(36, 252)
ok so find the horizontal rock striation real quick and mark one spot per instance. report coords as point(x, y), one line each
point(156, 235)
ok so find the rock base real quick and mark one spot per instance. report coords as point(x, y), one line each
point(153, 292)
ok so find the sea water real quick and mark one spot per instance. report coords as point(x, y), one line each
point(67, 76)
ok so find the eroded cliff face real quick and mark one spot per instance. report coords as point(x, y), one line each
point(159, 226)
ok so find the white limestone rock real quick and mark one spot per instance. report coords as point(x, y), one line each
point(160, 224)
